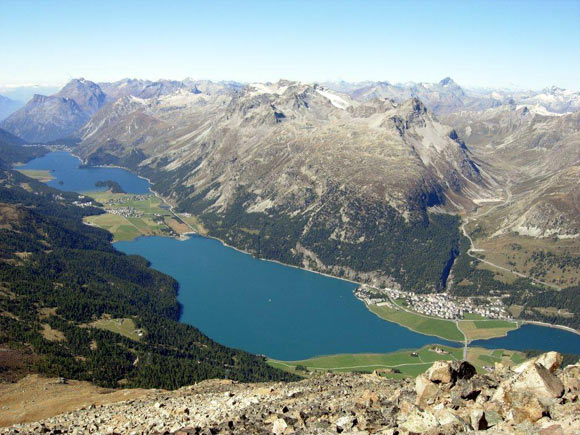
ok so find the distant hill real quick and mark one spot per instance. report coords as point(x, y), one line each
point(12, 151)
point(8, 106)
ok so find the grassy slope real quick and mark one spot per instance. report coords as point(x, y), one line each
point(124, 326)
point(402, 361)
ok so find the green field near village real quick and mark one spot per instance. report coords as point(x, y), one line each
point(129, 216)
point(404, 362)
point(442, 328)
point(400, 364)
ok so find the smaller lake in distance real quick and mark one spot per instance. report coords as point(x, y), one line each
point(69, 176)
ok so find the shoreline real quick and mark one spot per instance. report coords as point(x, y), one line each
point(186, 235)
point(550, 325)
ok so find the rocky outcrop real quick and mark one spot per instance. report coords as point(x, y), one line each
point(449, 398)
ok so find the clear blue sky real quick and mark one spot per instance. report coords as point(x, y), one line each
point(530, 43)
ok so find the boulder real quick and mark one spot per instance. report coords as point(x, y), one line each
point(425, 390)
point(419, 421)
point(440, 372)
point(570, 377)
point(345, 422)
point(538, 381)
point(445, 416)
point(446, 372)
point(550, 360)
point(520, 406)
point(462, 370)
point(279, 426)
point(478, 420)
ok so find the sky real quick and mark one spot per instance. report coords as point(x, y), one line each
point(501, 43)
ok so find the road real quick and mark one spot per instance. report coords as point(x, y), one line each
point(473, 249)
point(464, 341)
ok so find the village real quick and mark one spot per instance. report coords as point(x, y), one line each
point(112, 206)
point(440, 305)
point(121, 199)
point(128, 212)
point(84, 201)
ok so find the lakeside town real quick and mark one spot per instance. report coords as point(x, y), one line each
point(440, 305)
point(128, 211)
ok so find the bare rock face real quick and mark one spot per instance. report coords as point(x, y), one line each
point(436, 402)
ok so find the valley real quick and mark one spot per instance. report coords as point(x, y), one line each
point(461, 290)
point(289, 218)
point(170, 254)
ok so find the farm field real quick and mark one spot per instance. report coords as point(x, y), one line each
point(396, 365)
point(473, 327)
point(130, 216)
point(445, 329)
point(481, 357)
point(482, 329)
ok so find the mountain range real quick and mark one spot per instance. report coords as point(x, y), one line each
point(334, 177)
point(304, 155)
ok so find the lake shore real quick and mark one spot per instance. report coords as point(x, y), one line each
point(224, 243)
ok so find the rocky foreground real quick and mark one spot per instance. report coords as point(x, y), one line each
point(536, 397)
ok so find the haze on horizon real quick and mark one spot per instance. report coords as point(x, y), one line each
point(532, 44)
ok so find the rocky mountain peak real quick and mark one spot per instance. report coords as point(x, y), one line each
point(413, 105)
point(88, 95)
point(447, 81)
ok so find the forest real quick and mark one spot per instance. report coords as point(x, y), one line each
point(60, 275)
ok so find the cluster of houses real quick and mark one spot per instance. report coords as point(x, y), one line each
point(128, 212)
point(125, 198)
point(83, 204)
point(440, 305)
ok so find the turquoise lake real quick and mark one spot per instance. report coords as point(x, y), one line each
point(268, 308)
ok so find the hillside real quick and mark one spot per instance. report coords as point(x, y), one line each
point(73, 306)
point(13, 152)
point(537, 397)
point(8, 106)
point(298, 173)
point(534, 229)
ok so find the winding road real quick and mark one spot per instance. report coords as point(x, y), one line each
point(473, 249)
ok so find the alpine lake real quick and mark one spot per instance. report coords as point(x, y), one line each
point(267, 308)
